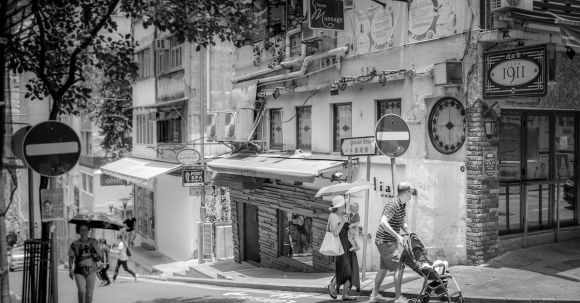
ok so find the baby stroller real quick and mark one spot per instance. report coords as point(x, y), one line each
point(435, 273)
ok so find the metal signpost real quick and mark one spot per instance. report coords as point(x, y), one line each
point(361, 146)
point(393, 138)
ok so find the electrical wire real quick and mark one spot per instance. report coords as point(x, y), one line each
point(308, 98)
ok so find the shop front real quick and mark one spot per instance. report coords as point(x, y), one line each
point(532, 95)
point(276, 220)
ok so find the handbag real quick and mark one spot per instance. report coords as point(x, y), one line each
point(331, 245)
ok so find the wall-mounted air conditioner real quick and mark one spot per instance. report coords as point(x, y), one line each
point(448, 73)
point(211, 126)
point(230, 126)
point(221, 126)
point(503, 5)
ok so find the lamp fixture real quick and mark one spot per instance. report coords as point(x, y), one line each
point(490, 120)
point(334, 88)
point(382, 79)
point(570, 53)
point(276, 93)
point(342, 84)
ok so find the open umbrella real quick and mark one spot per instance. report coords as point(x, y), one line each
point(98, 220)
point(344, 188)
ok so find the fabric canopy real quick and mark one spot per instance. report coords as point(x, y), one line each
point(138, 171)
point(292, 169)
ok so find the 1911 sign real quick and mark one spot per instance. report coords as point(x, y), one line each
point(516, 72)
point(326, 14)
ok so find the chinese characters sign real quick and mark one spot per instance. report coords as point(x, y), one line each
point(361, 146)
point(517, 72)
point(326, 14)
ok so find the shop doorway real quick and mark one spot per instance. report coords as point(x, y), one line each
point(538, 171)
point(251, 234)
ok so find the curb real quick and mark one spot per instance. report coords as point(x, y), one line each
point(323, 290)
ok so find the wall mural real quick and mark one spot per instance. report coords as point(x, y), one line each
point(431, 19)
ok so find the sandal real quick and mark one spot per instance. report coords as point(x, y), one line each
point(332, 291)
point(348, 298)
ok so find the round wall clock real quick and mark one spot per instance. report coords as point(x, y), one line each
point(447, 125)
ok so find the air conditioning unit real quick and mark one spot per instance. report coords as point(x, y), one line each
point(504, 5)
point(230, 126)
point(161, 44)
point(211, 126)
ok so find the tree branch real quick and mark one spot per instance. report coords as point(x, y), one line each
point(74, 56)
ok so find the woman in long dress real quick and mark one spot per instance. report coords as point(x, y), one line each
point(346, 270)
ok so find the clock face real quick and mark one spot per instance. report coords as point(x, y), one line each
point(447, 125)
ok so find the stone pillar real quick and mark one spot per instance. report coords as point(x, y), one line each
point(235, 230)
point(482, 193)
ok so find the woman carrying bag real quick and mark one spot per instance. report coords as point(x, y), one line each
point(346, 270)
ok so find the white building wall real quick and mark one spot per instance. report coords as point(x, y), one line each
point(177, 215)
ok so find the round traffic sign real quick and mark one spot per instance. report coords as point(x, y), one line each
point(51, 148)
point(392, 135)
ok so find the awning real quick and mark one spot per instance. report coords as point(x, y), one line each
point(162, 104)
point(292, 169)
point(138, 171)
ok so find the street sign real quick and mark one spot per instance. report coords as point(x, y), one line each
point(188, 156)
point(392, 135)
point(359, 146)
point(51, 148)
point(193, 177)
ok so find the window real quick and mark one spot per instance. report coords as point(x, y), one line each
point(86, 140)
point(388, 106)
point(143, 58)
point(295, 236)
point(342, 121)
point(304, 125)
point(144, 212)
point(169, 127)
point(144, 128)
point(276, 137)
point(171, 59)
point(87, 183)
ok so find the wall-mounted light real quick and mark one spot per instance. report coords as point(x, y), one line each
point(490, 120)
point(261, 94)
point(334, 88)
point(342, 84)
point(383, 79)
point(570, 53)
point(276, 93)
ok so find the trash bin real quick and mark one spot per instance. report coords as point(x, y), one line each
point(36, 275)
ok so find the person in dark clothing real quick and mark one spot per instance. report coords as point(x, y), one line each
point(346, 270)
point(102, 273)
point(130, 228)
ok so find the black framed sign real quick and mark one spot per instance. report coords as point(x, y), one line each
point(520, 72)
point(326, 14)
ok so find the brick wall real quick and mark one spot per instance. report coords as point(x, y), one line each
point(292, 199)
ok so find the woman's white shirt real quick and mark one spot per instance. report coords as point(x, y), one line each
point(122, 252)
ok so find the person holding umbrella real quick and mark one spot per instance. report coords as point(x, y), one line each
point(84, 254)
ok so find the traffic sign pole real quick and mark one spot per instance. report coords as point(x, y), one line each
point(366, 226)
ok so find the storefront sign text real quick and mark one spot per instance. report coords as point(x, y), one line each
point(107, 180)
point(326, 14)
point(517, 72)
point(193, 177)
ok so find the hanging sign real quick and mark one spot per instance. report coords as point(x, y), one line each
point(188, 156)
point(193, 177)
point(326, 14)
point(517, 72)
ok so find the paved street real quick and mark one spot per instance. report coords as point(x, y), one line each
point(149, 291)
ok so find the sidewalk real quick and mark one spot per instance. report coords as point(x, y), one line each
point(549, 273)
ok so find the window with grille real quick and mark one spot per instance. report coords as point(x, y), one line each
point(144, 128)
point(276, 137)
point(304, 127)
point(143, 59)
point(86, 146)
point(172, 59)
point(170, 127)
point(342, 124)
point(388, 106)
point(87, 183)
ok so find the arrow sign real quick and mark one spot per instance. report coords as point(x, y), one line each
point(51, 148)
point(358, 146)
point(392, 135)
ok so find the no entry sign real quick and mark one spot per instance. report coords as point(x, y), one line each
point(51, 148)
point(392, 135)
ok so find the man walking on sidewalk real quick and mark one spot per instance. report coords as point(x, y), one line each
point(388, 241)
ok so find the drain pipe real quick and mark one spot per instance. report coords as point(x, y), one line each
point(284, 64)
point(338, 52)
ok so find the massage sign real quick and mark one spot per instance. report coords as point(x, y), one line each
point(515, 73)
point(326, 14)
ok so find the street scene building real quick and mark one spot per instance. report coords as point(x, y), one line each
point(235, 144)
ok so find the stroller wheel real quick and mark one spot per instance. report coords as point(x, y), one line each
point(459, 299)
point(424, 299)
point(412, 301)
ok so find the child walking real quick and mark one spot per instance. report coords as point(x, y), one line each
point(354, 223)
